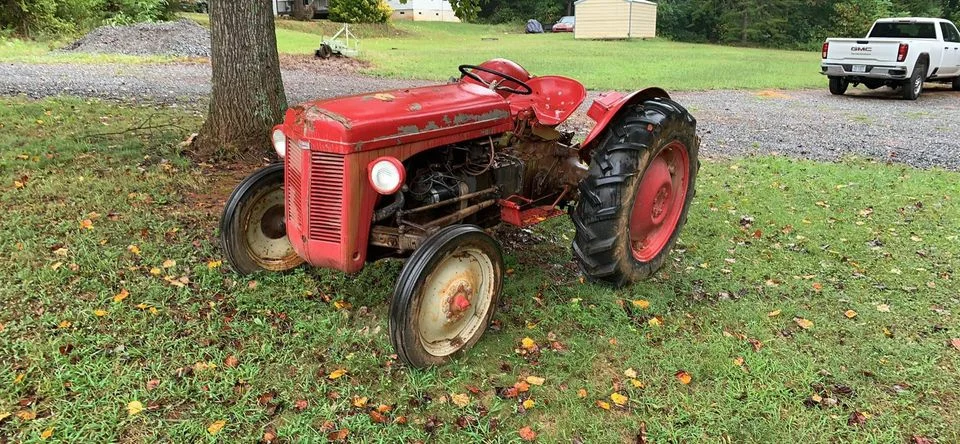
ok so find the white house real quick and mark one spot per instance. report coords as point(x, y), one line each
point(423, 10)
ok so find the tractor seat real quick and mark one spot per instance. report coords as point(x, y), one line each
point(555, 98)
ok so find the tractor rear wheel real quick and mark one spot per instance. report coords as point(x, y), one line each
point(446, 295)
point(635, 198)
point(956, 84)
point(253, 233)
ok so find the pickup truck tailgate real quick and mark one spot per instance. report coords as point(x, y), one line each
point(867, 51)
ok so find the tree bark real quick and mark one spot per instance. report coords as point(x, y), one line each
point(247, 96)
point(301, 11)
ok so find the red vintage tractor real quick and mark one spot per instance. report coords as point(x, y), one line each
point(421, 172)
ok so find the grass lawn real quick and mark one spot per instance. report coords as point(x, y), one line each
point(29, 51)
point(119, 322)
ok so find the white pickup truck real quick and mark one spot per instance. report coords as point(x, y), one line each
point(897, 52)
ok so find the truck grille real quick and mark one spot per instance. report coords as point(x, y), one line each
point(326, 196)
point(293, 169)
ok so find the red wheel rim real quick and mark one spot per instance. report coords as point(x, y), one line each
point(659, 202)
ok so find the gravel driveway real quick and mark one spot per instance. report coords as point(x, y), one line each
point(809, 124)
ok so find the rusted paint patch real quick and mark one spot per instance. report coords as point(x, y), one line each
point(312, 113)
point(430, 126)
point(496, 114)
point(415, 107)
point(407, 130)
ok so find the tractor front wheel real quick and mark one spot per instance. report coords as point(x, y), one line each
point(446, 295)
point(253, 233)
point(635, 198)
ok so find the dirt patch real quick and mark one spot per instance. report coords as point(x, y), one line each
point(773, 94)
point(333, 65)
point(183, 38)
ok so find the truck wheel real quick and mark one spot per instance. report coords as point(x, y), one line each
point(638, 189)
point(446, 295)
point(913, 86)
point(253, 232)
point(838, 85)
point(956, 84)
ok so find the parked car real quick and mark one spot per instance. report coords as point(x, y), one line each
point(566, 24)
point(897, 52)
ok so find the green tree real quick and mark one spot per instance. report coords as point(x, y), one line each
point(359, 11)
point(853, 18)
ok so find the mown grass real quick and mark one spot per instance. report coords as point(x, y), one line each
point(31, 51)
point(768, 240)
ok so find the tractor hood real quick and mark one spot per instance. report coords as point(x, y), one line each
point(377, 120)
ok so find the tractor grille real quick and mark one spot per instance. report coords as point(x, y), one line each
point(326, 196)
point(294, 166)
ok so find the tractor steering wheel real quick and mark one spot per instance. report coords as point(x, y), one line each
point(468, 70)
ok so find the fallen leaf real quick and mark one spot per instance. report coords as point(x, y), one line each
point(603, 405)
point(119, 297)
point(64, 324)
point(86, 224)
point(216, 426)
point(641, 304)
point(527, 434)
point(152, 384)
point(535, 380)
point(850, 314)
point(857, 419)
point(528, 404)
point(582, 393)
point(917, 439)
point(883, 308)
point(522, 387)
point(619, 399)
point(339, 435)
point(214, 264)
point(956, 343)
point(527, 343)
point(134, 249)
point(817, 287)
point(156, 271)
point(337, 373)
point(134, 407)
point(169, 263)
point(377, 417)
point(738, 361)
point(301, 404)
point(630, 373)
point(4, 415)
point(359, 401)
point(99, 313)
point(803, 323)
point(460, 399)
point(636, 383)
point(26, 415)
point(655, 322)
point(774, 313)
point(231, 361)
point(683, 377)
point(19, 378)
point(46, 433)
point(342, 305)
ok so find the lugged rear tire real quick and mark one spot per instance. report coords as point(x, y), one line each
point(956, 84)
point(838, 86)
point(643, 140)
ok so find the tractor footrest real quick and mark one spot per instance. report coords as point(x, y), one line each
point(523, 212)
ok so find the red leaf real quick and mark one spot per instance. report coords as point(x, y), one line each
point(527, 434)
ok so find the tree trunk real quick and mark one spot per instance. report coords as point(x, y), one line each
point(247, 97)
point(301, 11)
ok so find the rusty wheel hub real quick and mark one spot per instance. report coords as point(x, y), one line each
point(459, 301)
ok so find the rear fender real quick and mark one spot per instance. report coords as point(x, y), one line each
point(605, 110)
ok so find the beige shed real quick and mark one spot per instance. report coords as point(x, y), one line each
point(615, 19)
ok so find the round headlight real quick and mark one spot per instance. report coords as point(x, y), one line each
point(386, 175)
point(279, 142)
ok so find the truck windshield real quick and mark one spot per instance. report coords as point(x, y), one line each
point(904, 30)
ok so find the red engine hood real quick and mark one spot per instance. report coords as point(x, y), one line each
point(371, 121)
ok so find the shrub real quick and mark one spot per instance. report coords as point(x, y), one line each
point(50, 18)
point(359, 11)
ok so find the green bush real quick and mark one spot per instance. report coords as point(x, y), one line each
point(52, 18)
point(359, 11)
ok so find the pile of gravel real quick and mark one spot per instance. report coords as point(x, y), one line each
point(183, 38)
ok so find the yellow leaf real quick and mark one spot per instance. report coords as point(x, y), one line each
point(528, 343)
point(803, 323)
point(4, 415)
point(169, 263)
point(641, 304)
point(342, 305)
point(774, 313)
point(460, 399)
point(883, 308)
point(214, 264)
point(637, 383)
point(26, 415)
point(17, 184)
point(528, 404)
point(19, 378)
point(603, 405)
point(337, 373)
point(619, 399)
point(582, 393)
point(216, 427)
point(142, 306)
point(119, 297)
point(46, 433)
point(154, 311)
point(134, 407)
point(134, 249)
point(360, 402)
point(850, 314)
point(155, 271)
point(630, 373)
point(683, 377)
point(655, 322)
point(738, 361)
point(86, 224)
point(99, 313)
point(65, 324)
point(535, 380)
